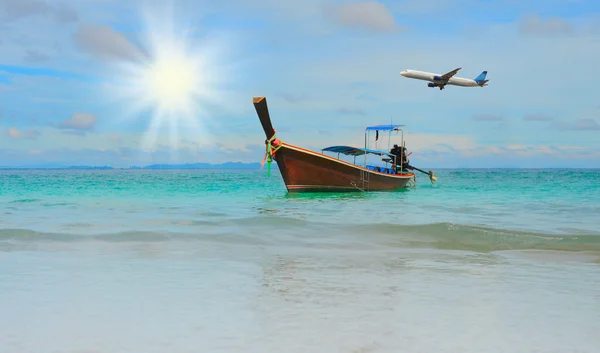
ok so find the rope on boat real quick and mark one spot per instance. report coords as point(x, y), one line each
point(353, 183)
point(413, 182)
point(272, 145)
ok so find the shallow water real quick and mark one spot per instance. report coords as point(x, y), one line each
point(207, 261)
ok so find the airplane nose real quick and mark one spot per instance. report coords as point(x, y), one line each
point(403, 73)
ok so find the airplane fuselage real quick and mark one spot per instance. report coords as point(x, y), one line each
point(436, 78)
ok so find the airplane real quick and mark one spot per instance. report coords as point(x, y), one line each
point(446, 79)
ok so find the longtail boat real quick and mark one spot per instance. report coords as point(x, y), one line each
point(304, 170)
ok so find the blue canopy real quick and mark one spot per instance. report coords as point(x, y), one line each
point(384, 127)
point(354, 151)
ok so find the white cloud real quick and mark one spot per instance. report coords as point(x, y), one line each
point(440, 142)
point(487, 117)
point(34, 56)
point(11, 10)
point(16, 134)
point(553, 26)
point(580, 124)
point(34, 30)
point(448, 8)
point(53, 138)
point(371, 15)
point(537, 117)
point(106, 43)
point(79, 121)
point(124, 149)
point(118, 151)
point(351, 111)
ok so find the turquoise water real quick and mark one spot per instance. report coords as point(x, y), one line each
point(204, 260)
point(549, 202)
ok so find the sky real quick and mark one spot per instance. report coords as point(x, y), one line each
point(124, 83)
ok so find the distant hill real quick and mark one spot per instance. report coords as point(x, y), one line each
point(226, 165)
point(88, 167)
point(55, 166)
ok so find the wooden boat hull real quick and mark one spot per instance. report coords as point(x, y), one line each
point(308, 171)
point(304, 170)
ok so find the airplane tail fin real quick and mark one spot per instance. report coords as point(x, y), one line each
point(481, 78)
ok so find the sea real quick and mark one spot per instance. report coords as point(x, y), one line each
point(482, 260)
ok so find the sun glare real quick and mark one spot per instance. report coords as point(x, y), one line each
point(172, 82)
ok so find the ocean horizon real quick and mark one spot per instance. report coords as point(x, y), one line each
point(194, 165)
point(250, 166)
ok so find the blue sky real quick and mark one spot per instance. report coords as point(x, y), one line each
point(327, 67)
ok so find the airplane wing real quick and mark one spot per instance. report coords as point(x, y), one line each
point(448, 75)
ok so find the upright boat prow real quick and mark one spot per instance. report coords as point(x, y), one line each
point(260, 104)
point(304, 170)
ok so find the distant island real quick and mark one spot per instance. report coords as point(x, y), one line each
point(226, 165)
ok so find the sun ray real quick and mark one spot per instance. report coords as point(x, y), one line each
point(175, 84)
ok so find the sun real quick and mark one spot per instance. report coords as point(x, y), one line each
point(173, 82)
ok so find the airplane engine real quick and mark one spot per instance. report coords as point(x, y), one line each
point(431, 84)
point(437, 78)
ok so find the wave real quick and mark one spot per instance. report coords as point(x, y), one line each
point(477, 238)
point(25, 201)
point(274, 230)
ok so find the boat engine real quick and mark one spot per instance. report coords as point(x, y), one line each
point(400, 153)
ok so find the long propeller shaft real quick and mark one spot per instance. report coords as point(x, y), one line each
point(430, 173)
